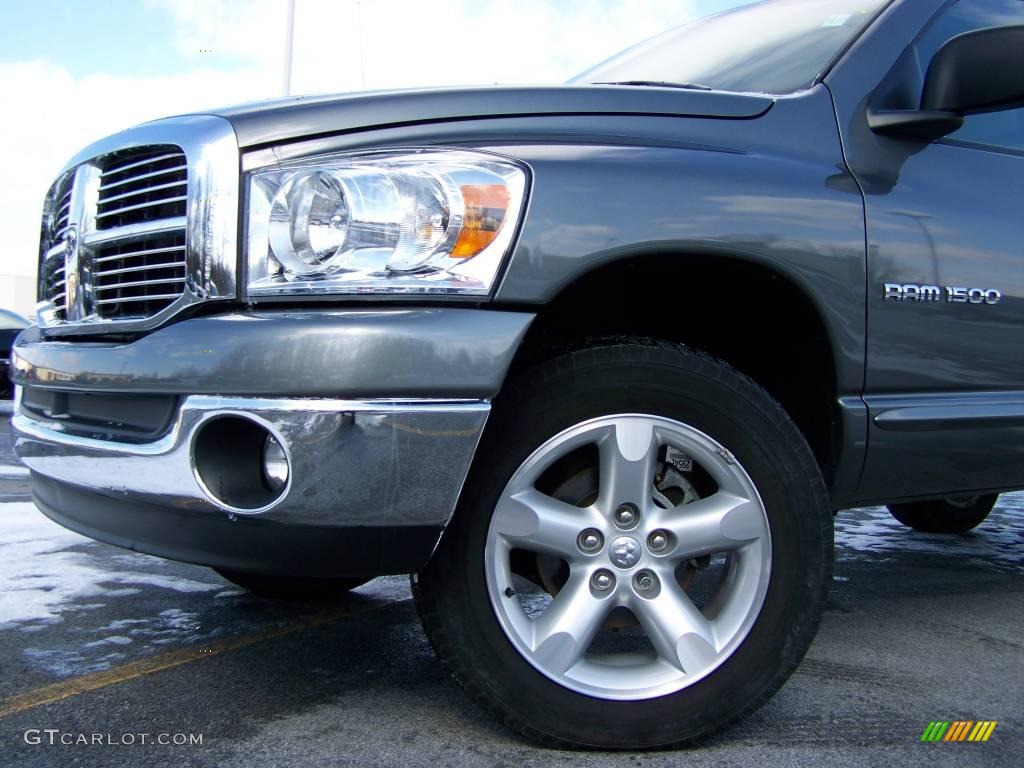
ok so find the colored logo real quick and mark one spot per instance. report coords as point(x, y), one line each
point(959, 730)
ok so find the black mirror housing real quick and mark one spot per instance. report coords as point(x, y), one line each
point(914, 124)
point(977, 71)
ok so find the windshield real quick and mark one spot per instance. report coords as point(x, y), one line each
point(777, 46)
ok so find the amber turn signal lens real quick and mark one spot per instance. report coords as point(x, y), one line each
point(485, 208)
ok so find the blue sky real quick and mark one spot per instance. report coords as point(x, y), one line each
point(98, 37)
point(93, 68)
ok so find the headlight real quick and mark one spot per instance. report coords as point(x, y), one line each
point(409, 222)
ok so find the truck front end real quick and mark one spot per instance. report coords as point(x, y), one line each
point(179, 397)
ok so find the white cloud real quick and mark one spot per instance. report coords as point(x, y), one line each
point(398, 43)
point(250, 30)
point(404, 43)
point(415, 43)
point(59, 114)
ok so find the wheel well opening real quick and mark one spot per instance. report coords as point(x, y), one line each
point(745, 314)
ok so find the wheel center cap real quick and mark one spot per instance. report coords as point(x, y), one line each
point(624, 552)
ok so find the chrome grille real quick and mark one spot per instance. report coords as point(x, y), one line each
point(60, 224)
point(55, 287)
point(133, 202)
point(141, 185)
point(139, 278)
point(52, 282)
point(140, 226)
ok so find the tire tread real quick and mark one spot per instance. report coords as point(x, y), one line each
point(648, 351)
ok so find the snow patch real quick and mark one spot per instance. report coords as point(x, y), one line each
point(997, 544)
point(112, 640)
point(46, 570)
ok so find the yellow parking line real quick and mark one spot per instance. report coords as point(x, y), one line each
point(48, 694)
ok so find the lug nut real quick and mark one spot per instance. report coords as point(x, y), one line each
point(602, 581)
point(657, 541)
point(626, 516)
point(644, 581)
point(590, 540)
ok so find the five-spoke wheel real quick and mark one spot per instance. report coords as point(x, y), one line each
point(627, 552)
point(640, 554)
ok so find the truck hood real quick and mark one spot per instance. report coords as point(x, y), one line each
point(283, 120)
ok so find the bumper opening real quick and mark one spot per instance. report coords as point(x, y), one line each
point(228, 456)
point(111, 416)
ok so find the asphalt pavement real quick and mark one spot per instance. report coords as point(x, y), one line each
point(112, 652)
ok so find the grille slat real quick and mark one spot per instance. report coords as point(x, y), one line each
point(130, 298)
point(136, 283)
point(151, 251)
point(147, 160)
point(132, 257)
point(138, 206)
point(138, 231)
point(55, 251)
point(138, 268)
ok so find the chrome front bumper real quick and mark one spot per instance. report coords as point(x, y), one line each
point(379, 411)
point(370, 463)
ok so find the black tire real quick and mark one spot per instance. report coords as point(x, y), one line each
point(663, 380)
point(952, 515)
point(292, 587)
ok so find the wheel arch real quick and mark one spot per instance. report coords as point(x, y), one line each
point(779, 337)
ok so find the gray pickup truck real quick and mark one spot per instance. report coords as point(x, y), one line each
point(598, 363)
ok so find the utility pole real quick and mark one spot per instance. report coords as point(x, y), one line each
point(289, 38)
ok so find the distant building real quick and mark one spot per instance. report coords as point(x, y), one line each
point(18, 292)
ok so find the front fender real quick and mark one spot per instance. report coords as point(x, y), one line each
point(773, 191)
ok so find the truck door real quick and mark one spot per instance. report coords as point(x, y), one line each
point(945, 262)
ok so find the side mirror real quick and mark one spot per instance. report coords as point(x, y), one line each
point(977, 71)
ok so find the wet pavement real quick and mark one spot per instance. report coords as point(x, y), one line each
point(95, 640)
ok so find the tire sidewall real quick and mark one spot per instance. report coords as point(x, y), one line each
point(755, 432)
point(941, 516)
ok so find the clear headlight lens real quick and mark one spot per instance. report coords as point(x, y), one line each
point(409, 222)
